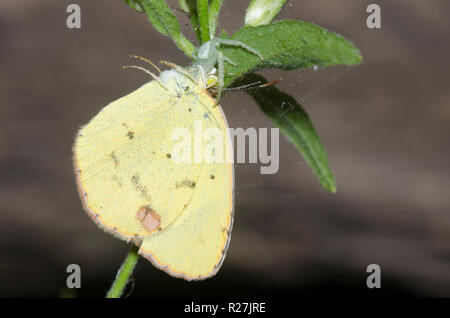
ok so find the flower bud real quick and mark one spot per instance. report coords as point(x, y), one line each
point(261, 12)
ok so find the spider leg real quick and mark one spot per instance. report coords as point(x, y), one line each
point(227, 59)
point(240, 44)
point(221, 73)
point(202, 75)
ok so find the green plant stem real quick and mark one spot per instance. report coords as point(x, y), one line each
point(165, 21)
point(190, 7)
point(214, 9)
point(185, 45)
point(124, 273)
point(203, 19)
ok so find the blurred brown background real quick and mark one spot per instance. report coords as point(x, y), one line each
point(385, 125)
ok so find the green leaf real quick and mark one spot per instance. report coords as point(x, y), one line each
point(288, 45)
point(161, 16)
point(214, 10)
point(184, 5)
point(165, 21)
point(135, 5)
point(203, 20)
point(190, 7)
point(288, 115)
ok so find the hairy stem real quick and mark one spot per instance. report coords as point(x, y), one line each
point(124, 273)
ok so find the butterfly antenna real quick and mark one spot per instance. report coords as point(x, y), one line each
point(275, 81)
point(146, 60)
point(252, 86)
point(178, 69)
point(148, 72)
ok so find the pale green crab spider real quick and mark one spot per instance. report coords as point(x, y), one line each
point(208, 56)
point(203, 69)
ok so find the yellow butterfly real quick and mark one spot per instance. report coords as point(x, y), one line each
point(179, 213)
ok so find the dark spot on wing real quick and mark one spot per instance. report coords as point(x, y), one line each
point(190, 109)
point(114, 158)
point(212, 177)
point(169, 155)
point(185, 184)
point(130, 134)
point(135, 179)
point(142, 189)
